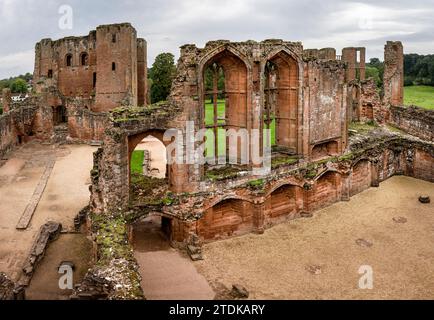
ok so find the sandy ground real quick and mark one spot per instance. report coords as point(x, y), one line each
point(45, 281)
point(158, 156)
point(66, 193)
point(166, 273)
point(319, 258)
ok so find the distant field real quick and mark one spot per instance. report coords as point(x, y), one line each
point(421, 96)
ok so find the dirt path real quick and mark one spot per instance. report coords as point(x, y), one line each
point(66, 193)
point(319, 258)
point(166, 273)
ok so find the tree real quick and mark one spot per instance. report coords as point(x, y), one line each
point(374, 73)
point(19, 86)
point(375, 69)
point(419, 69)
point(161, 74)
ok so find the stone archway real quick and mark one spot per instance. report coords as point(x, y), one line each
point(283, 204)
point(228, 218)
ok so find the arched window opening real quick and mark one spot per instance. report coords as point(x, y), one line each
point(225, 110)
point(281, 103)
point(84, 59)
point(69, 60)
point(270, 103)
point(215, 111)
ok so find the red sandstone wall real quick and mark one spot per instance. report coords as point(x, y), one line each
point(325, 192)
point(226, 219)
point(236, 217)
point(114, 86)
point(326, 105)
point(423, 166)
point(85, 125)
point(142, 72)
point(416, 121)
point(281, 205)
point(361, 178)
point(8, 134)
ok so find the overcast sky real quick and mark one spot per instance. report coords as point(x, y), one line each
point(168, 24)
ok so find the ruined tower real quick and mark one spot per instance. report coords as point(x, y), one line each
point(356, 60)
point(105, 69)
point(394, 73)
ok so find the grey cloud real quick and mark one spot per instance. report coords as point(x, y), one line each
point(168, 24)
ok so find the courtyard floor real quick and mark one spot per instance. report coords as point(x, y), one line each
point(66, 193)
point(167, 274)
point(384, 228)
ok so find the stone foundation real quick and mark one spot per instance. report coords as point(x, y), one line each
point(414, 120)
point(291, 195)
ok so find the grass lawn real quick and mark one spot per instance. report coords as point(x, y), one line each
point(137, 161)
point(209, 120)
point(421, 96)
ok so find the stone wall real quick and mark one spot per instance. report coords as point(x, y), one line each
point(16, 127)
point(86, 126)
point(414, 120)
point(298, 192)
point(393, 74)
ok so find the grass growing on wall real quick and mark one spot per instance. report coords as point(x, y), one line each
point(137, 161)
point(421, 96)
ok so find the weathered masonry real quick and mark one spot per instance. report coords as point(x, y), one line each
point(311, 97)
point(77, 80)
point(93, 90)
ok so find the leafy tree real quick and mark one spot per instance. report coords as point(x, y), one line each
point(374, 73)
point(161, 74)
point(209, 81)
point(419, 69)
point(15, 85)
point(19, 86)
point(375, 69)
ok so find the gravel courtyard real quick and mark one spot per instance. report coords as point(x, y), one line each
point(319, 258)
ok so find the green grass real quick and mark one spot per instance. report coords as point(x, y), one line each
point(137, 161)
point(421, 96)
point(209, 112)
point(209, 120)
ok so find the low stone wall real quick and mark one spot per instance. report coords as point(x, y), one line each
point(297, 193)
point(414, 120)
point(115, 275)
point(16, 127)
point(86, 126)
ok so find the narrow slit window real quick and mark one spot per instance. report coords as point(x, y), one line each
point(69, 60)
point(113, 66)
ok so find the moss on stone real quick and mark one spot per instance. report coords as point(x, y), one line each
point(283, 160)
point(115, 257)
point(256, 184)
point(227, 172)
